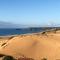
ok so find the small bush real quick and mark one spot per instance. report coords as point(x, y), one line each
point(1, 55)
point(8, 58)
point(44, 59)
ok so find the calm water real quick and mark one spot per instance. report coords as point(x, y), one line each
point(18, 31)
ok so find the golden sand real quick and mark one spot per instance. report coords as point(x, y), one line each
point(36, 46)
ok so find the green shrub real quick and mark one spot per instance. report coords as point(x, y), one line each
point(8, 58)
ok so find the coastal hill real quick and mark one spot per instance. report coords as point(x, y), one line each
point(10, 25)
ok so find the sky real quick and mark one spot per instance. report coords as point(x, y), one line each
point(30, 12)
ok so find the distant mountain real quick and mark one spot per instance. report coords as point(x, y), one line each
point(10, 25)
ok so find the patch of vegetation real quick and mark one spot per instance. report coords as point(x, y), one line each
point(1, 55)
point(44, 59)
point(43, 32)
point(11, 37)
point(3, 44)
point(8, 58)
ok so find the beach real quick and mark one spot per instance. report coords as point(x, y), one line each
point(36, 46)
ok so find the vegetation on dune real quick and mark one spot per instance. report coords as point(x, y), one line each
point(11, 37)
point(25, 59)
point(1, 55)
point(5, 57)
point(44, 59)
point(8, 58)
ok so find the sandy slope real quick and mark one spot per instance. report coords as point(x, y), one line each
point(36, 46)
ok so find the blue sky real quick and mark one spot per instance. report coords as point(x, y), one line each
point(30, 12)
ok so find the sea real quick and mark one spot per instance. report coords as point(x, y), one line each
point(14, 31)
point(18, 31)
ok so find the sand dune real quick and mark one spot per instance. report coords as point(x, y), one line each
point(36, 46)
